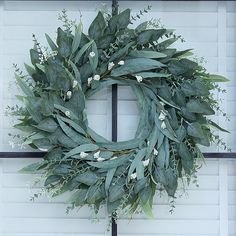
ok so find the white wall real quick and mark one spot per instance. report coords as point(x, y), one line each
point(208, 27)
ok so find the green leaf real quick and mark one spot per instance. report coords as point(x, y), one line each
point(54, 154)
point(121, 53)
point(141, 27)
point(154, 137)
point(79, 197)
point(188, 115)
point(64, 42)
point(97, 27)
point(24, 87)
point(105, 41)
point(146, 54)
point(181, 133)
point(113, 206)
point(109, 177)
point(76, 71)
point(145, 195)
point(76, 137)
point(77, 37)
point(57, 76)
point(147, 209)
point(52, 45)
point(205, 140)
point(77, 103)
point(40, 67)
point(183, 67)
point(52, 179)
point(186, 158)
point(30, 70)
point(168, 132)
point(115, 192)
point(140, 184)
point(120, 21)
point(162, 158)
point(150, 75)
point(62, 169)
point(136, 65)
point(150, 35)
point(106, 154)
point(184, 53)
point(64, 140)
point(136, 164)
point(82, 148)
point(197, 106)
point(82, 51)
point(195, 88)
point(216, 78)
point(48, 125)
point(213, 124)
point(73, 124)
point(110, 164)
point(165, 44)
point(94, 60)
point(34, 56)
point(94, 193)
point(64, 110)
point(88, 178)
point(172, 183)
point(159, 176)
point(42, 144)
point(195, 130)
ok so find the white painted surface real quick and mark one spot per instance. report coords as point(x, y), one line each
point(209, 210)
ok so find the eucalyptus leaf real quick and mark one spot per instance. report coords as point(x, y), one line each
point(97, 27)
point(136, 65)
point(146, 54)
point(77, 37)
point(186, 158)
point(82, 148)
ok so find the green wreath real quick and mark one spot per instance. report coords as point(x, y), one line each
point(174, 95)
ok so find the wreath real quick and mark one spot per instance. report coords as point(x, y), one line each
point(175, 97)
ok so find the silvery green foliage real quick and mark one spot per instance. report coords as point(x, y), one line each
point(174, 95)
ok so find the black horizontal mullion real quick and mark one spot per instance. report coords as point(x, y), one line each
point(41, 154)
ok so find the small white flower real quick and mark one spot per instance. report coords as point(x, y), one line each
point(68, 94)
point(100, 159)
point(145, 163)
point(75, 83)
point(121, 63)
point(92, 54)
point(113, 158)
point(139, 78)
point(96, 154)
point(133, 176)
point(89, 80)
point(110, 65)
point(96, 77)
point(83, 154)
point(155, 152)
point(163, 125)
point(67, 113)
point(162, 115)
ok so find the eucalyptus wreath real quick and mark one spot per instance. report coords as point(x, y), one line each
point(174, 95)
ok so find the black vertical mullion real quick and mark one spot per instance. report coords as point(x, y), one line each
point(114, 115)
